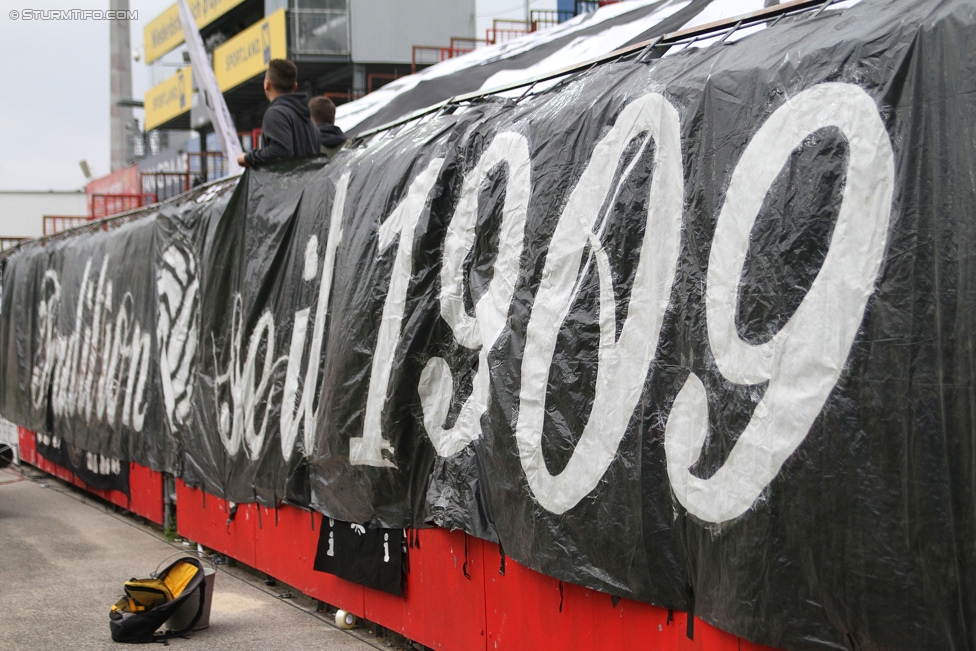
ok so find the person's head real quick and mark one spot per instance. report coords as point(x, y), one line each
point(281, 78)
point(322, 110)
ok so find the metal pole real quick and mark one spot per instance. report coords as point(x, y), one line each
point(120, 62)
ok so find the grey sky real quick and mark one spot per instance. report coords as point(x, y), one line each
point(55, 109)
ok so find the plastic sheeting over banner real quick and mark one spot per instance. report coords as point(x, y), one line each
point(94, 338)
point(584, 37)
point(694, 330)
point(95, 470)
point(85, 315)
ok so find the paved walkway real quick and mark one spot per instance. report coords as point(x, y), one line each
point(64, 557)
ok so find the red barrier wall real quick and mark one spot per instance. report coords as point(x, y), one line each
point(146, 492)
point(442, 608)
point(145, 486)
point(207, 520)
point(456, 597)
point(28, 446)
point(286, 550)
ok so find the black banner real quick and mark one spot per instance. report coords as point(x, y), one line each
point(693, 329)
point(85, 363)
point(84, 319)
point(372, 557)
point(96, 470)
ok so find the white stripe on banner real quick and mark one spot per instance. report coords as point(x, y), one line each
point(212, 97)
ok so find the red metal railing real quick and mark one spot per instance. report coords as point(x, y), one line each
point(250, 139)
point(451, 52)
point(101, 205)
point(505, 30)
point(464, 43)
point(57, 223)
point(341, 97)
point(11, 242)
point(426, 55)
point(546, 18)
point(105, 205)
point(373, 77)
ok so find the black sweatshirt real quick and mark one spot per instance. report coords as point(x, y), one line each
point(286, 131)
point(331, 136)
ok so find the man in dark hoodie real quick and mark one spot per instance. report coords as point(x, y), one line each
point(287, 130)
point(323, 116)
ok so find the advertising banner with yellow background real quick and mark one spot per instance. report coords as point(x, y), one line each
point(169, 99)
point(248, 53)
point(165, 32)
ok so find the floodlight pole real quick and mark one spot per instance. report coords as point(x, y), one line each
point(120, 61)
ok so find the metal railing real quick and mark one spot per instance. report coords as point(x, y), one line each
point(105, 205)
point(424, 55)
point(165, 185)
point(342, 96)
point(201, 167)
point(505, 30)
point(250, 140)
point(428, 55)
point(376, 80)
point(546, 18)
point(637, 51)
point(80, 225)
point(204, 166)
point(465, 43)
point(320, 31)
point(11, 242)
point(57, 223)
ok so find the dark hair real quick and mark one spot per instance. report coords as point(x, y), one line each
point(282, 74)
point(322, 109)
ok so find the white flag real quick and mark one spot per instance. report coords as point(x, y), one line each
point(203, 72)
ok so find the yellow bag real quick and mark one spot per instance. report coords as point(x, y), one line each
point(147, 593)
point(149, 603)
point(178, 577)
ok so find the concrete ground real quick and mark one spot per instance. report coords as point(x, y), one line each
point(64, 557)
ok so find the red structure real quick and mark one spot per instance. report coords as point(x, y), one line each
point(109, 195)
point(505, 30)
point(106, 205)
point(460, 594)
point(145, 486)
point(120, 182)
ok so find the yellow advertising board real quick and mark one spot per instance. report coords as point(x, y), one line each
point(169, 99)
point(248, 53)
point(165, 32)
